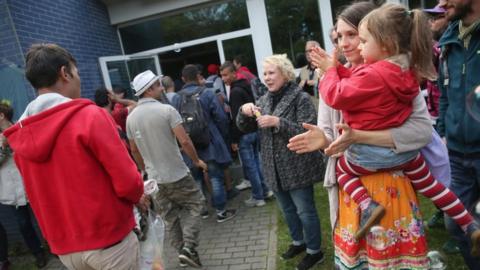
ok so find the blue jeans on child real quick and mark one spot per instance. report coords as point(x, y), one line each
point(298, 208)
point(248, 148)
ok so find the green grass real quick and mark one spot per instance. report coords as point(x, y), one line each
point(435, 237)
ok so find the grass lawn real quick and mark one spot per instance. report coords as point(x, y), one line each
point(436, 237)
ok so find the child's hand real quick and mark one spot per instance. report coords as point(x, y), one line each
point(322, 60)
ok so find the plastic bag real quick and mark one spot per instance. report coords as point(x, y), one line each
point(151, 250)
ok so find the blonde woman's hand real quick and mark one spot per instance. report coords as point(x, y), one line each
point(312, 140)
point(322, 60)
point(250, 110)
point(266, 121)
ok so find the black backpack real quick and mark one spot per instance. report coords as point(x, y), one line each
point(258, 88)
point(194, 120)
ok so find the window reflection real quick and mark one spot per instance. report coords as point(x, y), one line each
point(291, 24)
point(185, 25)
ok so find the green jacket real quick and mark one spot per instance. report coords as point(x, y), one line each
point(459, 74)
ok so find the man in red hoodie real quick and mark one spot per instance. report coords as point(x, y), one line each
point(80, 181)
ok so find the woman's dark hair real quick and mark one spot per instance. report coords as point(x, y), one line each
point(43, 63)
point(354, 13)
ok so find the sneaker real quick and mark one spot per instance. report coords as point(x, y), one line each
point(204, 214)
point(451, 247)
point(293, 251)
point(181, 264)
point(310, 260)
point(251, 202)
point(368, 218)
point(232, 193)
point(269, 195)
point(226, 215)
point(244, 185)
point(190, 257)
point(436, 221)
point(40, 259)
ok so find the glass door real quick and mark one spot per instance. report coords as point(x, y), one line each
point(119, 71)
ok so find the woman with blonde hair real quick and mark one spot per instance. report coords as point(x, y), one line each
point(278, 116)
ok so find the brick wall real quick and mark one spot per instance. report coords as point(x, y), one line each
point(80, 26)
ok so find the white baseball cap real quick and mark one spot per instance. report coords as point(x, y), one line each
point(143, 81)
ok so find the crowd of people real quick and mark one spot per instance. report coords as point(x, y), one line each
point(378, 120)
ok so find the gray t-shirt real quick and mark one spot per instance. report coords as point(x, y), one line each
point(150, 125)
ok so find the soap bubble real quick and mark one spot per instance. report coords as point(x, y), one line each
point(437, 260)
point(473, 103)
point(377, 238)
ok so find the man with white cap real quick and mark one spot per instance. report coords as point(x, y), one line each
point(153, 129)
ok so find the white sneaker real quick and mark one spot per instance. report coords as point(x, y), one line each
point(244, 185)
point(251, 202)
point(269, 195)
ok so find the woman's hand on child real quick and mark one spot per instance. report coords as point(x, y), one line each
point(312, 140)
point(343, 141)
point(322, 60)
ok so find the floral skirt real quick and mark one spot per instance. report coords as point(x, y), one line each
point(398, 242)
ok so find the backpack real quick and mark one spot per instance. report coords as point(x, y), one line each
point(258, 88)
point(194, 121)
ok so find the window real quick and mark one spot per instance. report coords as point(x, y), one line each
point(241, 46)
point(185, 25)
point(291, 24)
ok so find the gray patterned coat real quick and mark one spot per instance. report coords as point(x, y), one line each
point(294, 170)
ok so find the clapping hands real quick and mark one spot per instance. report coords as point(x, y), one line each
point(322, 60)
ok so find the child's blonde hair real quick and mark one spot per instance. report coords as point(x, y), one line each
point(283, 64)
point(402, 31)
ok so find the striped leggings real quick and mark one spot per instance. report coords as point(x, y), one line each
point(421, 178)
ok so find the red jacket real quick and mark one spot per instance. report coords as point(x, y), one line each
point(371, 97)
point(79, 179)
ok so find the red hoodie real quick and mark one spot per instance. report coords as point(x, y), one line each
point(371, 97)
point(78, 177)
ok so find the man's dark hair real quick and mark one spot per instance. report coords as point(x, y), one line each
point(101, 97)
point(238, 59)
point(119, 90)
point(7, 110)
point(43, 64)
point(229, 65)
point(189, 73)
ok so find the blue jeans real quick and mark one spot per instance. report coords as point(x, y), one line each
point(298, 208)
point(466, 185)
point(376, 157)
point(248, 150)
point(23, 217)
point(215, 173)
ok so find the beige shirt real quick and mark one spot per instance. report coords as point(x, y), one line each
point(150, 125)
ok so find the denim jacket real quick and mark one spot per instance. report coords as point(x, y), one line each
point(459, 74)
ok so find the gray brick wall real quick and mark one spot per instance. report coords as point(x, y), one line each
point(80, 26)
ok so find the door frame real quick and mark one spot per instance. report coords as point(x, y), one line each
point(103, 61)
point(153, 53)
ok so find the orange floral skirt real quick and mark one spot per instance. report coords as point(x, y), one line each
point(398, 242)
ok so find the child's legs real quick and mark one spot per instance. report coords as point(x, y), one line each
point(347, 177)
point(423, 182)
